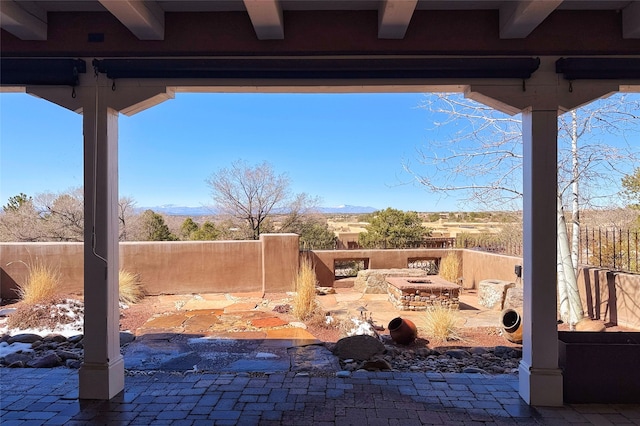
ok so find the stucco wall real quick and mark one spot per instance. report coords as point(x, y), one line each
point(14, 258)
point(478, 266)
point(169, 267)
point(270, 265)
point(610, 296)
point(324, 260)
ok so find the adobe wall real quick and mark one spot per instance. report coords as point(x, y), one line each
point(324, 260)
point(14, 258)
point(169, 267)
point(478, 266)
point(612, 297)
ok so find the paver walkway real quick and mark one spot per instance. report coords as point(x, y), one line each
point(49, 397)
point(269, 376)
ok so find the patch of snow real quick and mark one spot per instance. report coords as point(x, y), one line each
point(361, 327)
point(298, 324)
point(74, 309)
point(266, 355)
point(6, 349)
point(208, 339)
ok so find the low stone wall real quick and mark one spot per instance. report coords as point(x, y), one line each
point(420, 294)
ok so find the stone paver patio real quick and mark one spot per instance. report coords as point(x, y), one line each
point(272, 374)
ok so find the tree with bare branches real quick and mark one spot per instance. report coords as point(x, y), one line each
point(59, 216)
point(482, 159)
point(252, 194)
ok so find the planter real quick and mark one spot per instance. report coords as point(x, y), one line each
point(511, 323)
point(600, 367)
point(402, 331)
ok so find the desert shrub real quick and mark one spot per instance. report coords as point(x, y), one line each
point(131, 290)
point(53, 313)
point(441, 324)
point(450, 267)
point(304, 302)
point(41, 283)
point(321, 319)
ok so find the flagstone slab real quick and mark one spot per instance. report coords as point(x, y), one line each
point(197, 304)
point(203, 312)
point(268, 322)
point(289, 337)
point(247, 295)
point(238, 335)
point(239, 307)
point(347, 297)
point(166, 321)
point(200, 323)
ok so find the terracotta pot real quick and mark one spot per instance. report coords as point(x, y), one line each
point(402, 331)
point(511, 322)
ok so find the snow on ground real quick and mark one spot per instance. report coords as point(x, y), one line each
point(69, 307)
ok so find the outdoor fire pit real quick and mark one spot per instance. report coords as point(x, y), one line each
point(421, 293)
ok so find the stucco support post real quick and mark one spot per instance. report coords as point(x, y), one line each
point(102, 372)
point(539, 374)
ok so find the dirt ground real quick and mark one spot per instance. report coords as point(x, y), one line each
point(136, 315)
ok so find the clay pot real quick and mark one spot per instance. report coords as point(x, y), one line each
point(402, 331)
point(511, 322)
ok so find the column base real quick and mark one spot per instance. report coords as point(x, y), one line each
point(540, 386)
point(101, 381)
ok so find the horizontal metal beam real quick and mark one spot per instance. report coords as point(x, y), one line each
point(598, 68)
point(33, 72)
point(296, 68)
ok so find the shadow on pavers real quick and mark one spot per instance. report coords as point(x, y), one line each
point(180, 352)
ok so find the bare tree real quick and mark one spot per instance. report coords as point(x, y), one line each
point(62, 214)
point(19, 220)
point(251, 194)
point(126, 215)
point(52, 216)
point(483, 161)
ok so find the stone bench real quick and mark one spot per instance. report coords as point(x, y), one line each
point(491, 293)
point(374, 281)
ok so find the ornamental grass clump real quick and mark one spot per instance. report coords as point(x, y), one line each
point(450, 267)
point(304, 302)
point(131, 290)
point(41, 283)
point(441, 324)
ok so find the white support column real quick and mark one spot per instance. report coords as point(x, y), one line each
point(540, 377)
point(102, 373)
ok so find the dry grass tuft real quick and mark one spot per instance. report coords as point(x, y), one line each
point(450, 267)
point(41, 284)
point(304, 302)
point(442, 324)
point(131, 290)
point(321, 319)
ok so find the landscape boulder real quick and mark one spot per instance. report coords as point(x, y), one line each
point(513, 298)
point(360, 348)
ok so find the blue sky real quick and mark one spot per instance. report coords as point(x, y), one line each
point(342, 148)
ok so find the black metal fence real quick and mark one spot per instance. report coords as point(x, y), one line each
point(614, 249)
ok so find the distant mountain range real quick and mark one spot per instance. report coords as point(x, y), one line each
point(175, 210)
